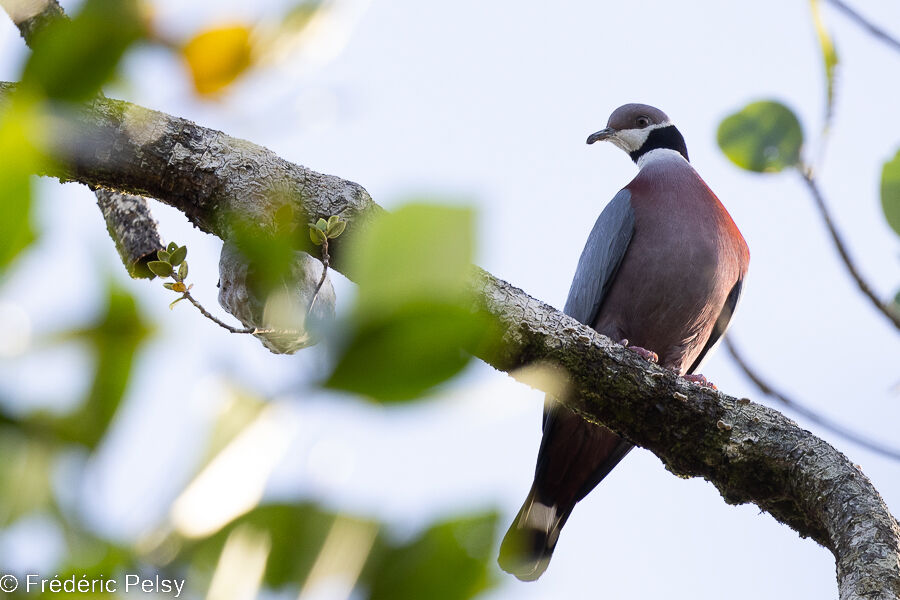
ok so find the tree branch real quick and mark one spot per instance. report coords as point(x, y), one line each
point(132, 228)
point(860, 20)
point(766, 388)
point(886, 310)
point(32, 17)
point(749, 452)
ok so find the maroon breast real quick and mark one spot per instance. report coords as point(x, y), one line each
point(685, 256)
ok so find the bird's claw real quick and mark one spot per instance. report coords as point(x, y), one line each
point(700, 380)
point(642, 352)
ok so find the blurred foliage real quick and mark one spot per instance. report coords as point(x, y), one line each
point(218, 56)
point(115, 339)
point(829, 58)
point(27, 460)
point(72, 59)
point(762, 137)
point(21, 127)
point(297, 532)
point(300, 14)
point(268, 248)
point(414, 312)
point(447, 561)
point(890, 192)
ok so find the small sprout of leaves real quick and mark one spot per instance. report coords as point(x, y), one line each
point(323, 230)
point(170, 258)
point(172, 264)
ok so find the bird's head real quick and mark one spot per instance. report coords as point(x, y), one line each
point(639, 128)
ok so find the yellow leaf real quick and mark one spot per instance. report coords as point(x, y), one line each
point(217, 57)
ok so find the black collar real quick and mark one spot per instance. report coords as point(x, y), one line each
point(664, 137)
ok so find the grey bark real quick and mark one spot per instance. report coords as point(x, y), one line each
point(132, 228)
point(749, 452)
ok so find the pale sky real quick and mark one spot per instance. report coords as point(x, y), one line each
point(490, 104)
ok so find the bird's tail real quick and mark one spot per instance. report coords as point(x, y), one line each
point(529, 543)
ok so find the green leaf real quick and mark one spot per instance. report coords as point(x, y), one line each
point(418, 252)
point(332, 221)
point(163, 256)
point(71, 60)
point(402, 356)
point(174, 302)
point(890, 192)
point(171, 247)
point(169, 285)
point(183, 271)
point(178, 256)
point(413, 319)
point(163, 269)
point(763, 137)
point(321, 225)
point(449, 561)
point(337, 229)
point(829, 58)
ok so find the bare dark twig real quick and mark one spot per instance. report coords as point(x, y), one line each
point(187, 296)
point(863, 22)
point(802, 409)
point(864, 287)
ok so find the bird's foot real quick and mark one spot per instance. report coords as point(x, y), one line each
point(642, 352)
point(700, 380)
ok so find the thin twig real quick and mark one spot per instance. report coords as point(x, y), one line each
point(801, 409)
point(875, 30)
point(325, 259)
point(842, 249)
point(214, 319)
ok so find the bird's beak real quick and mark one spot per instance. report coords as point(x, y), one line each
point(601, 135)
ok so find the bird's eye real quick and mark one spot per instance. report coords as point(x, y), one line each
point(642, 122)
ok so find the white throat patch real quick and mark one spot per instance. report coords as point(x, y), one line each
point(630, 140)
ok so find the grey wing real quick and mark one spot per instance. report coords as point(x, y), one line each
point(603, 253)
point(601, 258)
point(721, 326)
